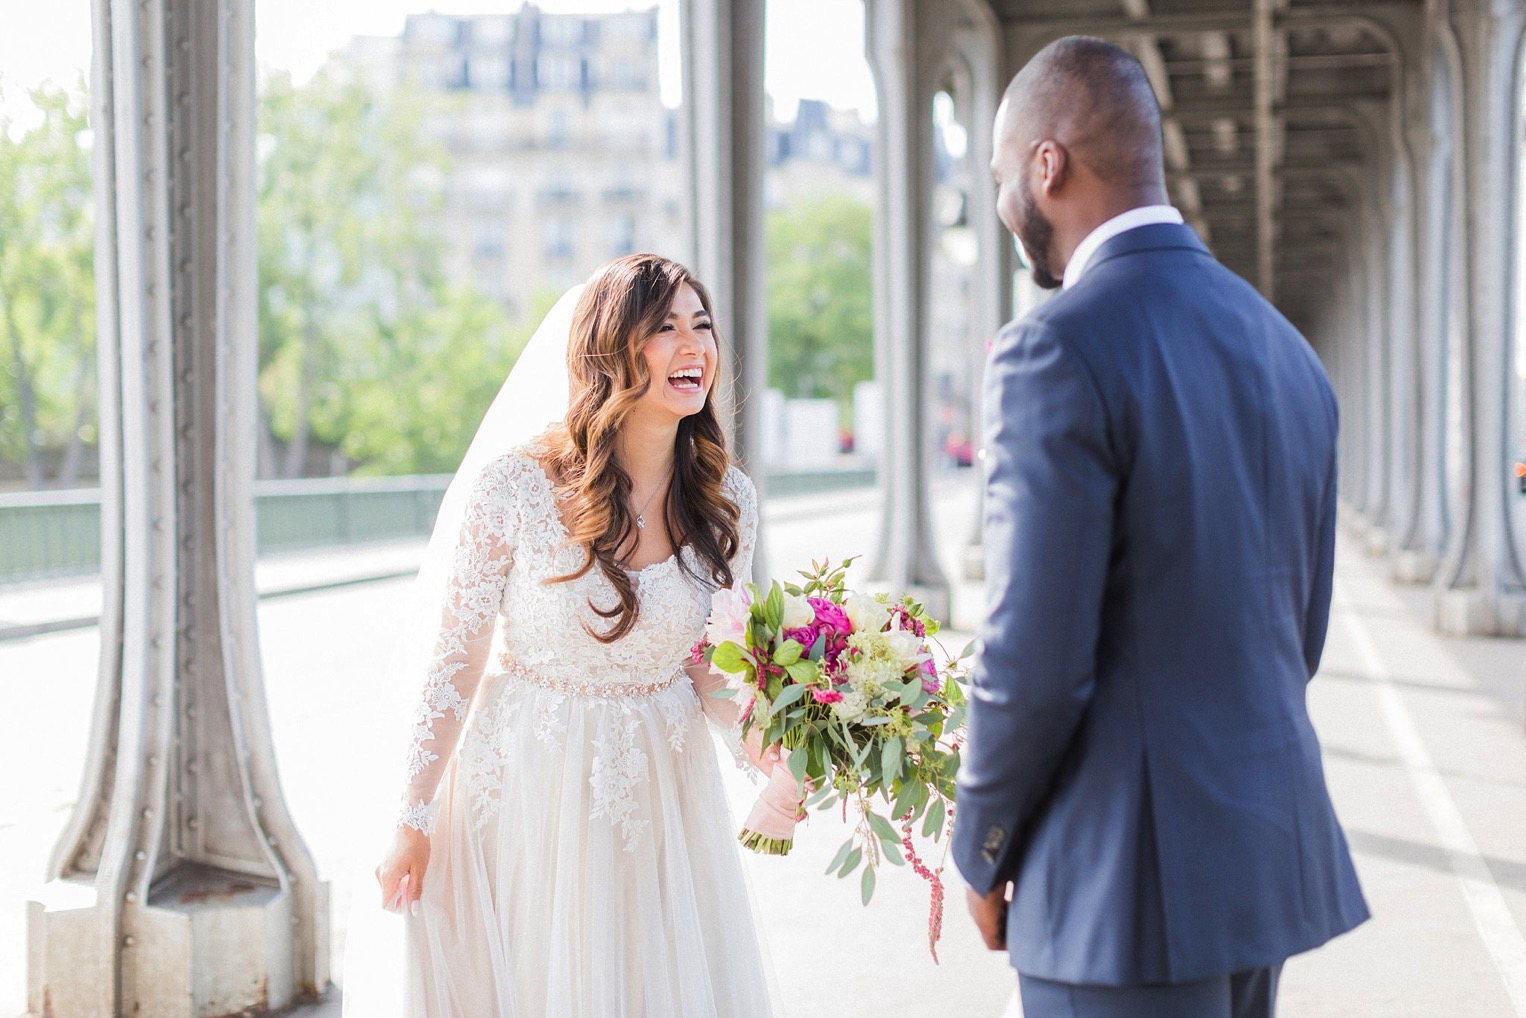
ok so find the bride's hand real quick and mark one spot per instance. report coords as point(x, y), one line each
point(401, 873)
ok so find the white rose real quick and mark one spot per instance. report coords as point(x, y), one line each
point(906, 646)
point(865, 613)
point(797, 612)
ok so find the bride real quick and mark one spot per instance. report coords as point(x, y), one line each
point(565, 845)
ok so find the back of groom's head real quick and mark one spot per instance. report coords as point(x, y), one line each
point(1094, 98)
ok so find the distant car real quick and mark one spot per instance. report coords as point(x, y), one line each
point(959, 449)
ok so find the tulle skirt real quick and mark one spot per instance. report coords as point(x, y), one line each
point(584, 862)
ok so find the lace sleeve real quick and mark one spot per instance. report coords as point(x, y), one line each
point(724, 714)
point(740, 489)
point(474, 592)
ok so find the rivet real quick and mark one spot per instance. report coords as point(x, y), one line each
point(129, 940)
point(153, 759)
point(148, 813)
point(130, 896)
point(190, 711)
point(192, 823)
point(193, 766)
point(157, 642)
point(140, 855)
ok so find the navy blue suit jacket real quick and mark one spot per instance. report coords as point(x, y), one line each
point(1159, 535)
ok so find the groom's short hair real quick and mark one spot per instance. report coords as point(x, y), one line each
point(1094, 97)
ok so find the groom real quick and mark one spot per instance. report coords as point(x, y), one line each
point(1141, 780)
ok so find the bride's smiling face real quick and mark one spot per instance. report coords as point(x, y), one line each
point(680, 359)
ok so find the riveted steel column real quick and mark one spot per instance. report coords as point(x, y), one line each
point(908, 45)
point(725, 155)
point(1479, 588)
point(180, 886)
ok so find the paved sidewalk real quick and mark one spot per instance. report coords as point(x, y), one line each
point(1425, 753)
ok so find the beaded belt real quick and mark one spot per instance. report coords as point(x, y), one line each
point(587, 687)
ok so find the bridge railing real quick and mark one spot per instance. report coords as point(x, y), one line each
point(48, 534)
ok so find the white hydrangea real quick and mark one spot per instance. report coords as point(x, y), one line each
point(852, 706)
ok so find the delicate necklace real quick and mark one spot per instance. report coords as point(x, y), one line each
point(641, 516)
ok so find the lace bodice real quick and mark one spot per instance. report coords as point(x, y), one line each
point(499, 612)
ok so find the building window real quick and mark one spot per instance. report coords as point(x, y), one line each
point(557, 236)
point(488, 73)
point(622, 236)
point(488, 240)
point(561, 31)
point(558, 72)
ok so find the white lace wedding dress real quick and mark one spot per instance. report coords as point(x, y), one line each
point(584, 859)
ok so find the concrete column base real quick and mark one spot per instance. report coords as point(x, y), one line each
point(973, 562)
point(1473, 612)
point(1413, 567)
point(1375, 542)
point(210, 943)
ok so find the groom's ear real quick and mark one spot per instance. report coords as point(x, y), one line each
point(1053, 166)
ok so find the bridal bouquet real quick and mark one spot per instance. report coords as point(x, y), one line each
point(849, 684)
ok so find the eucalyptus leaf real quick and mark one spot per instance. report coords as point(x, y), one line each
point(867, 885)
point(932, 825)
point(890, 758)
point(798, 761)
point(882, 828)
point(851, 863)
point(841, 856)
point(788, 695)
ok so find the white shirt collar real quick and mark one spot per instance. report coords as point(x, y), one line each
point(1145, 215)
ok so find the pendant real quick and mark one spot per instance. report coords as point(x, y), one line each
point(640, 522)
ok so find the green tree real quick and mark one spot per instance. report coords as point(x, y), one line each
point(820, 303)
point(47, 288)
point(364, 347)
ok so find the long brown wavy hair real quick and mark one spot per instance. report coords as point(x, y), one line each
point(620, 309)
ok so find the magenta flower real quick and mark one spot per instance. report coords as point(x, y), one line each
point(929, 676)
point(826, 695)
point(829, 620)
point(900, 618)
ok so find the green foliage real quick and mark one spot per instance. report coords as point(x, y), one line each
point(820, 307)
point(363, 344)
point(47, 288)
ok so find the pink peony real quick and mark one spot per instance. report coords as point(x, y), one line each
point(829, 619)
point(729, 612)
point(929, 672)
point(826, 695)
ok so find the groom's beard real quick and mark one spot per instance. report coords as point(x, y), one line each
point(1036, 234)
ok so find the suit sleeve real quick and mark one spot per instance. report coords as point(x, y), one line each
point(1317, 614)
point(1050, 490)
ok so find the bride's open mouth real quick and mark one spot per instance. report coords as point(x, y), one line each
point(687, 380)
